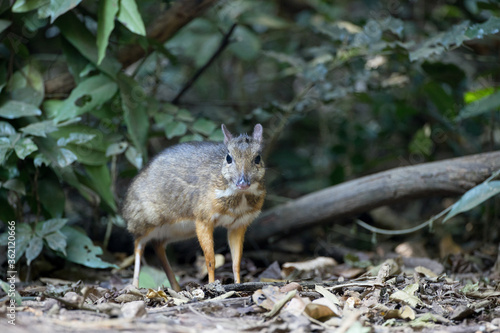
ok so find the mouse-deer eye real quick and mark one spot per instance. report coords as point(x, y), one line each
point(229, 159)
point(257, 159)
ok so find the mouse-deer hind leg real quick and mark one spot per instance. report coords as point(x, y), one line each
point(159, 247)
point(138, 252)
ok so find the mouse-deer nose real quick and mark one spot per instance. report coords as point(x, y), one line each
point(243, 182)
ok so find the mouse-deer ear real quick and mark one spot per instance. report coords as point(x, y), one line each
point(257, 133)
point(227, 135)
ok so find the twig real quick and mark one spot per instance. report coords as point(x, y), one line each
point(253, 286)
point(420, 226)
point(223, 44)
point(278, 305)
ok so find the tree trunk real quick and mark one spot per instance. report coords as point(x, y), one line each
point(447, 177)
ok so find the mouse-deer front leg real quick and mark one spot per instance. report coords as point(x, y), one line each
point(205, 234)
point(235, 238)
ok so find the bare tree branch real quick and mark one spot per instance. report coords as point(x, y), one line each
point(223, 44)
point(447, 177)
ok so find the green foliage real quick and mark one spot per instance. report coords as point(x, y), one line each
point(346, 92)
point(474, 197)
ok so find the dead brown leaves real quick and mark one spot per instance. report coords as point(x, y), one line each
point(385, 298)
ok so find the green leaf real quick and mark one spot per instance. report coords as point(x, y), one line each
point(216, 136)
point(41, 159)
point(65, 157)
point(81, 250)
point(134, 105)
point(57, 241)
point(441, 42)
point(248, 44)
point(77, 34)
point(477, 31)
point(151, 277)
point(89, 94)
point(483, 105)
point(116, 148)
point(24, 147)
point(134, 157)
point(69, 176)
point(15, 185)
point(15, 109)
point(6, 289)
point(6, 129)
point(204, 126)
point(174, 129)
point(105, 24)
point(76, 138)
point(40, 129)
point(265, 20)
point(51, 196)
point(455, 37)
point(26, 85)
point(474, 197)
point(5, 149)
point(130, 17)
point(34, 249)
point(76, 62)
point(193, 137)
point(56, 8)
point(100, 180)
point(51, 106)
point(22, 6)
point(24, 233)
point(472, 96)
point(439, 96)
point(47, 227)
point(184, 115)
point(4, 24)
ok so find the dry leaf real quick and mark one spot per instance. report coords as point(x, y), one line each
point(136, 309)
point(447, 246)
point(315, 266)
point(297, 305)
point(319, 311)
point(407, 295)
point(291, 286)
point(125, 298)
point(352, 302)
point(425, 272)
point(156, 294)
point(324, 301)
point(327, 294)
point(390, 267)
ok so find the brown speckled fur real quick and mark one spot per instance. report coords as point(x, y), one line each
point(194, 182)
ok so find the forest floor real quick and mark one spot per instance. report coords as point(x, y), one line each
point(398, 295)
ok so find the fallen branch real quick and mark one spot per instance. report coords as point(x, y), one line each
point(447, 177)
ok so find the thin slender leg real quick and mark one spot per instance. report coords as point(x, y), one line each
point(205, 234)
point(138, 251)
point(235, 238)
point(159, 248)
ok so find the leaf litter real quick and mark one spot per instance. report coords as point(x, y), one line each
point(386, 298)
